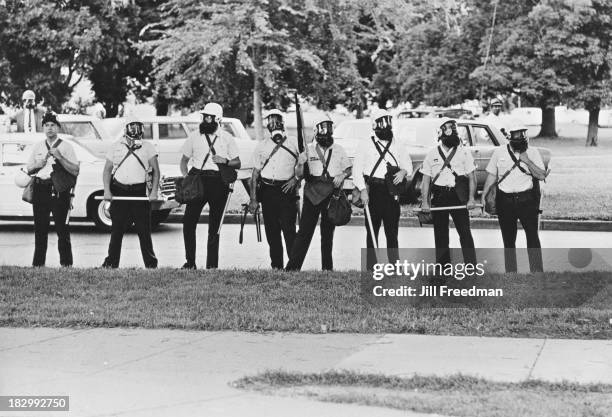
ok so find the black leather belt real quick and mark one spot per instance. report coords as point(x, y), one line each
point(443, 187)
point(205, 172)
point(129, 187)
point(519, 194)
point(40, 181)
point(273, 183)
point(374, 180)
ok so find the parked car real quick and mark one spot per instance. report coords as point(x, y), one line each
point(418, 136)
point(15, 148)
point(168, 133)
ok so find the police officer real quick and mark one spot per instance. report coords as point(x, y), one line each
point(49, 157)
point(206, 151)
point(518, 170)
point(273, 175)
point(29, 119)
point(128, 162)
point(376, 158)
point(444, 187)
point(328, 167)
point(494, 116)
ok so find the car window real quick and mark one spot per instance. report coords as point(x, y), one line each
point(193, 127)
point(462, 131)
point(148, 131)
point(80, 130)
point(482, 136)
point(172, 131)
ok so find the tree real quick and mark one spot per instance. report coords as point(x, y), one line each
point(49, 48)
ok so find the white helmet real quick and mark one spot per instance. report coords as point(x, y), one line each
point(22, 179)
point(443, 121)
point(379, 114)
point(275, 112)
point(213, 109)
point(322, 124)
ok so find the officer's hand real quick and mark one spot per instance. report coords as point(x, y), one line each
point(471, 204)
point(302, 158)
point(365, 198)
point(523, 157)
point(40, 164)
point(54, 152)
point(253, 206)
point(399, 176)
point(289, 185)
point(219, 159)
point(339, 179)
point(425, 207)
point(108, 196)
point(153, 196)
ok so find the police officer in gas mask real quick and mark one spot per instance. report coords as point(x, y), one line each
point(449, 180)
point(273, 184)
point(328, 167)
point(380, 174)
point(516, 170)
point(129, 163)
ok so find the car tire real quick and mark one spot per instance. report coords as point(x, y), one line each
point(98, 213)
point(158, 217)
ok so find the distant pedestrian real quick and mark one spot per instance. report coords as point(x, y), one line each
point(54, 165)
point(518, 170)
point(29, 118)
point(128, 162)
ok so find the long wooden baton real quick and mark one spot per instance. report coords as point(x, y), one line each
point(370, 226)
point(229, 196)
point(120, 198)
point(448, 208)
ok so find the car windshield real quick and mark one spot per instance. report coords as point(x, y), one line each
point(15, 153)
point(114, 127)
point(80, 130)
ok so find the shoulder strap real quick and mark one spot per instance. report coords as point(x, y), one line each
point(55, 144)
point(323, 161)
point(211, 149)
point(276, 148)
point(381, 154)
point(446, 164)
point(517, 162)
point(129, 152)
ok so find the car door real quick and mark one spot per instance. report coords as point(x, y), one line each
point(483, 145)
point(13, 157)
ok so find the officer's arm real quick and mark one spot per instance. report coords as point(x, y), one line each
point(106, 177)
point(472, 177)
point(425, 183)
point(156, 174)
point(253, 188)
point(234, 163)
point(488, 183)
point(184, 162)
point(535, 170)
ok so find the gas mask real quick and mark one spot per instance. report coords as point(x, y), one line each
point(276, 127)
point(29, 103)
point(519, 142)
point(324, 133)
point(134, 132)
point(448, 135)
point(383, 128)
point(209, 124)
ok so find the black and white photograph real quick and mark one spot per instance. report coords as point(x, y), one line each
point(271, 208)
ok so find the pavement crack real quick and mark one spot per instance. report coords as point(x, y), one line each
point(537, 358)
point(46, 340)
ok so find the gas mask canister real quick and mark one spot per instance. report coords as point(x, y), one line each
point(383, 128)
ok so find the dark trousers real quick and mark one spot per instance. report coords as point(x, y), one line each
point(215, 195)
point(443, 197)
point(308, 223)
point(123, 214)
point(279, 214)
point(384, 209)
point(525, 208)
point(45, 202)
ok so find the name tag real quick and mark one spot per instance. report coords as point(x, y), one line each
point(313, 158)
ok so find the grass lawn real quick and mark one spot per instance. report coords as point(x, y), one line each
point(264, 300)
point(455, 395)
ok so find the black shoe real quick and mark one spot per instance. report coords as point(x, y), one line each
point(108, 266)
point(187, 265)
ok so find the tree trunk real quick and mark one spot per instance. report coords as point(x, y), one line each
point(548, 123)
point(161, 106)
point(111, 109)
point(593, 127)
point(257, 107)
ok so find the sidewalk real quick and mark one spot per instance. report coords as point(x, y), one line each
point(135, 372)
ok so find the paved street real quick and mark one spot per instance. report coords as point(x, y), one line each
point(135, 372)
point(90, 246)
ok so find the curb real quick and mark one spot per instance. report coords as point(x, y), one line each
point(476, 223)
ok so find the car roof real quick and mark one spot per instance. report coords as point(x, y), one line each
point(29, 137)
point(75, 118)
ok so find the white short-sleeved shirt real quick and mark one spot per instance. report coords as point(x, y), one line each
point(196, 148)
point(368, 156)
point(282, 164)
point(130, 172)
point(462, 163)
point(40, 151)
point(337, 164)
point(516, 181)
